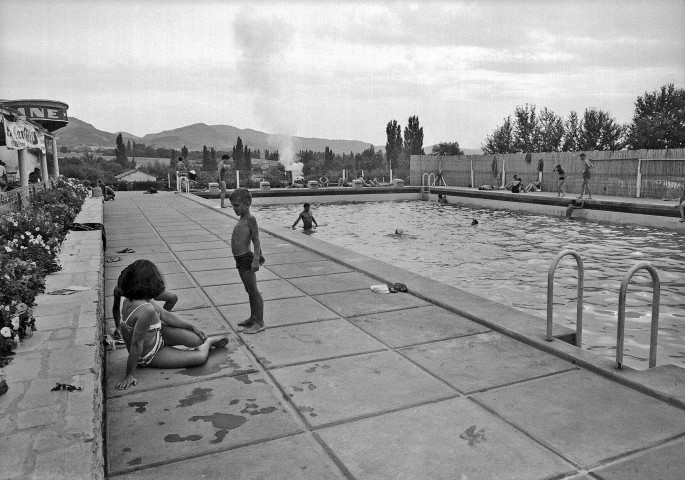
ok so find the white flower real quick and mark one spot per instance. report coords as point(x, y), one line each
point(15, 322)
point(27, 233)
point(8, 249)
point(37, 229)
point(6, 332)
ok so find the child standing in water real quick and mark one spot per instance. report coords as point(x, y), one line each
point(306, 217)
point(246, 261)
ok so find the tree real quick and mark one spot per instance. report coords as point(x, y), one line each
point(413, 137)
point(238, 155)
point(599, 131)
point(184, 152)
point(551, 128)
point(526, 131)
point(393, 146)
point(659, 120)
point(120, 152)
point(208, 162)
point(128, 148)
point(328, 158)
point(447, 148)
point(571, 133)
point(501, 140)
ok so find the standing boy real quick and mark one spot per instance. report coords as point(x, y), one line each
point(246, 261)
point(681, 206)
point(306, 217)
point(586, 176)
point(222, 173)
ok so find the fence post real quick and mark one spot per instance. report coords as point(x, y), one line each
point(639, 177)
point(504, 172)
point(473, 178)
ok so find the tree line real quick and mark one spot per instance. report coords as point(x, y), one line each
point(658, 123)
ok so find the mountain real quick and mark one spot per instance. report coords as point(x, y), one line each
point(221, 137)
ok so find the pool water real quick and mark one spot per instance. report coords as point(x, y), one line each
point(506, 258)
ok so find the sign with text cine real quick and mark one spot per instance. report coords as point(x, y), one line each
point(43, 113)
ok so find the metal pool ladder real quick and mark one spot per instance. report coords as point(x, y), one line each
point(426, 185)
point(656, 292)
point(579, 302)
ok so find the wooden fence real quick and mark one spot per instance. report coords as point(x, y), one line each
point(625, 173)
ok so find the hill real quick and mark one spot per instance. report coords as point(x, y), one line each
point(221, 137)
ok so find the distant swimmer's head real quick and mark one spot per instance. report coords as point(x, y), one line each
point(474, 222)
point(399, 231)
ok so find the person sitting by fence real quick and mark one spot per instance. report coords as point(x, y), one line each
point(514, 186)
point(533, 187)
point(107, 192)
point(681, 206)
point(323, 181)
point(34, 177)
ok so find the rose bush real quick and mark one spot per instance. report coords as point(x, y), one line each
point(31, 240)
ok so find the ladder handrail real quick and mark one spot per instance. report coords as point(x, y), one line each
point(656, 292)
point(579, 302)
point(428, 183)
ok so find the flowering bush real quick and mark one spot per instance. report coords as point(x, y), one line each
point(31, 240)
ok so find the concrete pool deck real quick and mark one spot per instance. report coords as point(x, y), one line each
point(345, 383)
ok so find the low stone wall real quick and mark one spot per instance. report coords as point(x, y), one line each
point(58, 434)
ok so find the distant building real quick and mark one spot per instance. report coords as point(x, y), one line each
point(135, 176)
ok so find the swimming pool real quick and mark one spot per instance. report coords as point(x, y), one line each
point(506, 258)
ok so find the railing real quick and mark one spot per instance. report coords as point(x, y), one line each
point(19, 198)
point(579, 301)
point(426, 182)
point(656, 291)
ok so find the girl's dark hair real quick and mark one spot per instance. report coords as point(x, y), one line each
point(141, 281)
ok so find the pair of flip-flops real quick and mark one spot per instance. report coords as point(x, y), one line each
point(65, 386)
point(397, 287)
point(113, 259)
point(126, 250)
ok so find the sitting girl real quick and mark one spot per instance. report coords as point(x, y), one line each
point(150, 332)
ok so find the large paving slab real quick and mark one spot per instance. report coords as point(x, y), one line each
point(189, 298)
point(205, 253)
point(416, 325)
point(294, 257)
point(307, 269)
point(222, 362)
point(309, 342)
point(113, 270)
point(341, 389)
point(271, 248)
point(329, 283)
point(452, 439)
point(362, 302)
point(191, 420)
point(184, 247)
point(294, 457)
point(585, 416)
point(235, 293)
point(206, 278)
point(483, 361)
point(284, 311)
point(662, 463)
point(199, 264)
point(193, 239)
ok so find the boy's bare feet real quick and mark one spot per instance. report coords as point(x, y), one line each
point(254, 328)
point(246, 323)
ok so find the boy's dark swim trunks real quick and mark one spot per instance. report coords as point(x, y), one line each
point(244, 262)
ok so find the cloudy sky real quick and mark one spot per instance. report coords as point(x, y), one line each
point(337, 69)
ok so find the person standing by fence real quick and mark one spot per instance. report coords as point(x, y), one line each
point(222, 174)
point(562, 180)
point(681, 206)
point(587, 165)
